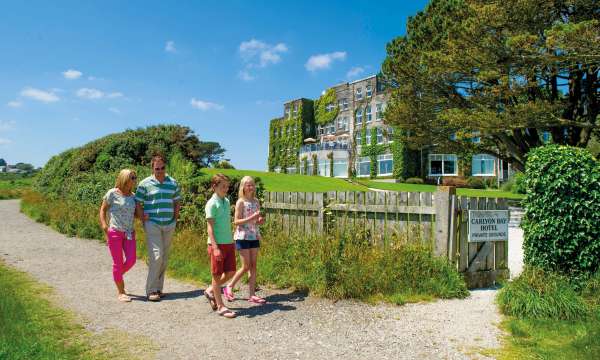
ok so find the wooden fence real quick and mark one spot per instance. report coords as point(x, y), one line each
point(438, 219)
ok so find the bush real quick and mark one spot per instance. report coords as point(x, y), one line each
point(475, 183)
point(455, 181)
point(414, 180)
point(539, 294)
point(515, 184)
point(562, 210)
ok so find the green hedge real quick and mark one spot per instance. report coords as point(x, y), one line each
point(562, 210)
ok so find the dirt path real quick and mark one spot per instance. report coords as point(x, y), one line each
point(291, 326)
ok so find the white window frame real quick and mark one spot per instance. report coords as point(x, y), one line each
point(443, 158)
point(359, 115)
point(368, 137)
point(486, 158)
point(379, 135)
point(363, 160)
point(359, 95)
point(385, 157)
point(369, 91)
point(295, 109)
point(345, 103)
point(379, 111)
point(369, 114)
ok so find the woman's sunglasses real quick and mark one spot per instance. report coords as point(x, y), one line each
point(159, 168)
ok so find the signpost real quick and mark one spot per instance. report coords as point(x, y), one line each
point(488, 225)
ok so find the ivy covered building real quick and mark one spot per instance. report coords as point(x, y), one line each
point(342, 134)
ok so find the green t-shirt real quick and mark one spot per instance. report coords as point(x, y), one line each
point(159, 199)
point(219, 209)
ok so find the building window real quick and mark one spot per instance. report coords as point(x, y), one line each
point(368, 136)
point(443, 165)
point(332, 128)
point(369, 91)
point(295, 109)
point(358, 137)
point(379, 135)
point(345, 103)
point(364, 166)
point(369, 113)
point(379, 111)
point(483, 165)
point(340, 168)
point(476, 139)
point(390, 134)
point(385, 164)
point(324, 168)
point(343, 123)
point(287, 112)
point(359, 94)
point(329, 107)
point(321, 131)
point(546, 136)
point(359, 116)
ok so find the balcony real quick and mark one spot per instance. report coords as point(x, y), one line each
point(327, 146)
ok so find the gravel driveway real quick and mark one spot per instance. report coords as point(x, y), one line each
point(291, 326)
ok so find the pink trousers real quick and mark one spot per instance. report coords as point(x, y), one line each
point(119, 245)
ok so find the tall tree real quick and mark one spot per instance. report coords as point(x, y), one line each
point(503, 71)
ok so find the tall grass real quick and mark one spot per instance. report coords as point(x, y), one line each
point(335, 266)
point(538, 294)
point(14, 188)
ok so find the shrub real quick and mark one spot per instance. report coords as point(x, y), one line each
point(414, 180)
point(515, 184)
point(562, 210)
point(475, 183)
point(454, 181)
point(540, 294)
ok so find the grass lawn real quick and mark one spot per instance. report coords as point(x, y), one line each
point(33, 328)
point(431, 188)
point(285, 182)
point(551, 339)
point(11, 189)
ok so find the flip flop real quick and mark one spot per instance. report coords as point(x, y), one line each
point(226, 313)
point(211, 300)
point(124, 298)
point(257, 300)
point(228, 292)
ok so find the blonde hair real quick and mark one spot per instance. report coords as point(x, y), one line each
point(243, 182)
point(123, 178)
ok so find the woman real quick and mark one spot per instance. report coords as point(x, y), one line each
point(119, 203)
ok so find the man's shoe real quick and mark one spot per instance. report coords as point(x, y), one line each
point(154, 297)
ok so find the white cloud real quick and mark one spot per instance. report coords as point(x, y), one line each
point(170, 47)
point(259, 54)
point(94, 94)
point(323, 61)
point(355, 72)
point(72, 74)
point(205, 105)
point(39, 95)
point(246, 76)
point(91, 94)
point(114, 110)
point(14, 104)
point(5, 141)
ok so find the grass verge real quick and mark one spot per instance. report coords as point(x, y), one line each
point(550, 318)
point(13, 189)
point(34, 328)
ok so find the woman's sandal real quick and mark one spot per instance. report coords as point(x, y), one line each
point(124, 298)
point(211, 300)
point(226, 313)
point(257, 300)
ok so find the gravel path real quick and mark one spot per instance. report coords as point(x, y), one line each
point(291, 326)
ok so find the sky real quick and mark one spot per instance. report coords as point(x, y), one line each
point(74, 71)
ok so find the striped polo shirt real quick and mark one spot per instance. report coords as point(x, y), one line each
point(158, 199)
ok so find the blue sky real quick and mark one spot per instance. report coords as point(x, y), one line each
point(73, 71)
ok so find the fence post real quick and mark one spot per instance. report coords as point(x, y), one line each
point(443, 214)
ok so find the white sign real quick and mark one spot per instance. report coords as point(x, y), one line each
point(488, 225)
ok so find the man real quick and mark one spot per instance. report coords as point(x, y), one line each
point(158, 201)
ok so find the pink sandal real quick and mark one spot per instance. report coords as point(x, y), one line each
point(228, 293)
point(257, 300)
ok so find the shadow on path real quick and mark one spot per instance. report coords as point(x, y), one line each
point(274, 303)
point(171, 296)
